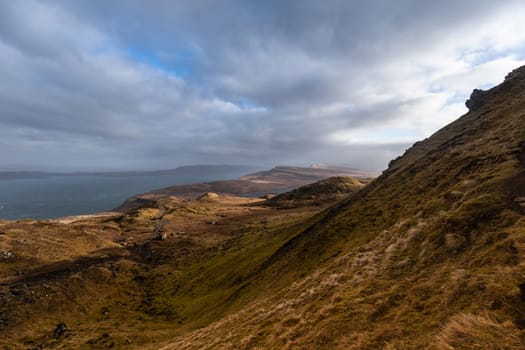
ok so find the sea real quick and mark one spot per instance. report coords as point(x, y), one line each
point(58, 196)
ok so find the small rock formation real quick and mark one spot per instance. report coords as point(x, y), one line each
point(476, 99)
point(521, 202)
point(158, 234)
point(516, 74)
point(16, 291)
point(7, 256)
point(60, 330)
point(268, 196)
point(209, 195)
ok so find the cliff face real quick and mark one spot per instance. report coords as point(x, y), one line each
point(478, 97)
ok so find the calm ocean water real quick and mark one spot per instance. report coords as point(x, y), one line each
point(59, 196)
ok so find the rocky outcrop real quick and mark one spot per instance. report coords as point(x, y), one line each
point(516, 74)
point(476, 99)
point(513, 80)
point(209, 195)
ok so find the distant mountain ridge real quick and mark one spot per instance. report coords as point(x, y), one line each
point(13, 175)
point(276, 180)
point(315, 173)
point(182, 171)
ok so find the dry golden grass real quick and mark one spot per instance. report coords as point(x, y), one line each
point(151, 290)
point(468, 331)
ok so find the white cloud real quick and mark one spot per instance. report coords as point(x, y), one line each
point(269, 83)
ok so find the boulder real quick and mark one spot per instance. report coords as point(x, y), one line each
point(60, 330)
point(209, 195)
point(476, 100)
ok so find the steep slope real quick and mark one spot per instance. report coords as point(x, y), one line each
point(429, 255)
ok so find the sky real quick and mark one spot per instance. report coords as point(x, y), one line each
point(155, 84)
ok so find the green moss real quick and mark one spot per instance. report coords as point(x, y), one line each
point(207, 288)
point(474, 212)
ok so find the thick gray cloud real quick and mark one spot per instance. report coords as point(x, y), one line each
point(156, 84)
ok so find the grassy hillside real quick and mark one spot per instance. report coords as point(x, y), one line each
point(135, 279)
point(429, 255)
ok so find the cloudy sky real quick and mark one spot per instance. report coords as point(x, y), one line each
point(157, 84)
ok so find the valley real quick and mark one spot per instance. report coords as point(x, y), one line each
point(165, 264)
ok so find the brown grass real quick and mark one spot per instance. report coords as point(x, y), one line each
point(468, 331)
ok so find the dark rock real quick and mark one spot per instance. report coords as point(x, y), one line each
point(393, 161)
point(16, 291)
point(496, 304)
point(520, 322)
point(521, 286)
point(516, 74)
point(4, 320)
point(8, 256)
point(476, 100)
point(28, 299)
point(60, 330)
